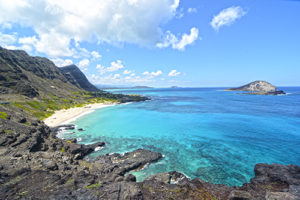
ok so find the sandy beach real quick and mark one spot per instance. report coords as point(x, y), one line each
point(67, 116)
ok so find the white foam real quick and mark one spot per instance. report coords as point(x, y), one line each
point(98, 148)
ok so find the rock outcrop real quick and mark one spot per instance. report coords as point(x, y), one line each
point(258, 88)
point(77, 78)
point(34, 164)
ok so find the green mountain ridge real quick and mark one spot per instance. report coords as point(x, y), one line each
point(35, 87)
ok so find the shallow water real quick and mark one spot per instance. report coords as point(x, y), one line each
point(215, 135)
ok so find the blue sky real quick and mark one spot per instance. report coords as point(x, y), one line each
point(161, 42)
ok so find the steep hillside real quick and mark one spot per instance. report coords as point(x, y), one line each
point(77, 78)
point(35, 87)
point(21, 74)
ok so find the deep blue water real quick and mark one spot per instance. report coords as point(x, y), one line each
point(208, 133)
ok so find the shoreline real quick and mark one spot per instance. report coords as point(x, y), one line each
point(66, 116)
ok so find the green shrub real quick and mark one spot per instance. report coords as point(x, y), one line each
point(3, 115)
point(92, 186)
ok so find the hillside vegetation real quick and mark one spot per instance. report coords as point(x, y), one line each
point(36, 88)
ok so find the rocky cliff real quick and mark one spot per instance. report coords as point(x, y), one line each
point(77, 78)
point(31, 76)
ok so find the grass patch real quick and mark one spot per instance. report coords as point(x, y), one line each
point(7, 131)
point(23, 193)
point(3, 115)
point(93, 186)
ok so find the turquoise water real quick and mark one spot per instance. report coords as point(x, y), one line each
point(215, 135)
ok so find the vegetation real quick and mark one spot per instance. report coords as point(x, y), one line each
point(92, 186)
point(45, 107)
point(3, 115)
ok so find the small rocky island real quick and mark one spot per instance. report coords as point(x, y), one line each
point(258, 88)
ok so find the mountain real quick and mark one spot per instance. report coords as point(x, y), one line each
point(256, 86)
point(35, 87)
point(77, 78)
point(21, 74)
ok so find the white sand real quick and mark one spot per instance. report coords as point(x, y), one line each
point(67, 116)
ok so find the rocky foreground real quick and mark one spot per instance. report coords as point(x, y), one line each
point(34, 164)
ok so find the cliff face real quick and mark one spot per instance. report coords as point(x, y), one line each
point(256, 86)
point(77, 78)
point(21, 74)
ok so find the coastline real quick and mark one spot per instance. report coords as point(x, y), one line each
point(67, 116)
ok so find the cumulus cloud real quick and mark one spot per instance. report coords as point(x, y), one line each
point(186, 39)
point(127, 71)
point(116, 76)
point(57, 23)
point(192, 10)
point(6, 25)
point(114, 66)
point(83, 64)
point(95, 55)
point(227, 16)
point(158, 73)
point(174, 73)
point(7, 39)
point(62, 62)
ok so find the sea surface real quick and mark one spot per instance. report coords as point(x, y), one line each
point(208, 133)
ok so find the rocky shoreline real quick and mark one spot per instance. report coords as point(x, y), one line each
point(35, 164)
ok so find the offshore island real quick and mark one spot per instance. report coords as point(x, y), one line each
point(36, 164)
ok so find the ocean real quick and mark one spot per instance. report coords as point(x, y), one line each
point(215, 135)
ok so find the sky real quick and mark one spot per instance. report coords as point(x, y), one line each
point(161, 43)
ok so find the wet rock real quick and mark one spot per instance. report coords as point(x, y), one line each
point(121, 164)
point(169, 178)
point(49, 164)
point(130, 178)
point(280, 196)
point(289, 174)
point(23, 120)
point(240, 195)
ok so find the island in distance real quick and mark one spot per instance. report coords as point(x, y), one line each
point(258, 88)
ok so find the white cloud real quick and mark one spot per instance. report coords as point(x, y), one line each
point(7, 39)
point(6, 25)
point(158, 73)
point(114, 66)
point(192, 10)
point(83, 64)
point(180, 13)
point(57, 22)
point(186, 39)
point(146, 73)
point(127, 71)
point(227, 16)
point(95, 55)
point(61, 62)
point(174, 73)
point(152, 74)
point(116, 76)
point(28, 40)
